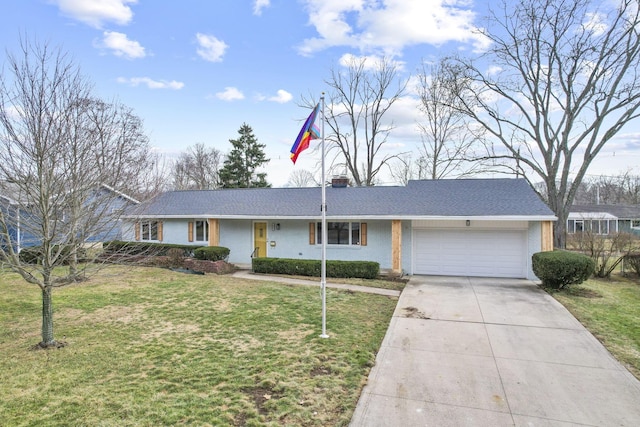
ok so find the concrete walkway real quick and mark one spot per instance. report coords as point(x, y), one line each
point(492, 352)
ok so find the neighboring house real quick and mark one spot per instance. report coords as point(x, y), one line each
point(14, 218)
point(604, 219)
point(107, 203)
point(113, 205)
point(476, 227)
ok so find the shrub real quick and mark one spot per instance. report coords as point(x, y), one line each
point(146, 248)
point(308, 267)
point(212, 253)
point(34, 254)
point(606, 250)
point(175, 257)
point(557, 269)
point(633, 261)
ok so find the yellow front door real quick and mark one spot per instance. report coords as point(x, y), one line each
point(260, 239)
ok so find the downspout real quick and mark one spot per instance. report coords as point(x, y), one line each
point(18, 233)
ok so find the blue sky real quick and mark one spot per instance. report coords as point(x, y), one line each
point(195, 71)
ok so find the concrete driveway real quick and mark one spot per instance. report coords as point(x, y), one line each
point(492, 352)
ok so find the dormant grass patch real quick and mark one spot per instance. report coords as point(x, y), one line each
point(151, 347)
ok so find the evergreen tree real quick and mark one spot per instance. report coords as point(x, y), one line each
point(239, 169)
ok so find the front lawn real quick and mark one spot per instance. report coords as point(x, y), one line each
point(151, 347)
point(610, 309)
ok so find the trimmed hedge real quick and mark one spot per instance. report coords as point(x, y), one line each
point(34, 254)
point(311, 267)
point(557, 269)
point(212, 253)
point(145, 248)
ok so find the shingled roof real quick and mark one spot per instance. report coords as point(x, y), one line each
point(619, 211)
point(419, 199)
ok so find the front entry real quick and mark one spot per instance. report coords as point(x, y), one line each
point(260, 239)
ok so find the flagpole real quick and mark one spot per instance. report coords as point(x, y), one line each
point(323, 208)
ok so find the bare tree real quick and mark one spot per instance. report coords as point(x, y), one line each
point(55, 166)
point(450, 145)
point(559, 81)
point(155, 180)
point(623, 188)
point(302, 178)
point(118, 134)
point(197, 168)
point(406, 168)
point(101, 144)
point(357, 106)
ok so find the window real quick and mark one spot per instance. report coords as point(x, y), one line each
point(579, 226)
point(340, 233)
point(594, 226)
point(202, 231)
point(149, 230)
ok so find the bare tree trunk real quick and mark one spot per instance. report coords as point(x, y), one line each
point(47, 315)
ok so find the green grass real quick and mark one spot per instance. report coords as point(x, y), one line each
point(610, 309)
point(150, 347)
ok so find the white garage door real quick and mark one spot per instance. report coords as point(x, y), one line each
point(467, 252)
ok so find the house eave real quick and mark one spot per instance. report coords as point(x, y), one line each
point(355, 217)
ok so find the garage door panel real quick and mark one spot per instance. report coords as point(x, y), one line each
point(488, 253)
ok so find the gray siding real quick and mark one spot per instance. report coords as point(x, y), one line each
point(292, 241)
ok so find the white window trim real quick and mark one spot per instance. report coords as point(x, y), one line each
point(149, 225)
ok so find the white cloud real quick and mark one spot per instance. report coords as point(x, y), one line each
point(494, 70)
point(388, 26)
point(230, 94)
point(211, 48)
point(282, 97)
point(97, 12)
point(258, 5)
point(150, 83)
point(371, 62)
point(596, 23)
point(120, 45)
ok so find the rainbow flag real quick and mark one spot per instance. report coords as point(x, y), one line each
point(308, 132)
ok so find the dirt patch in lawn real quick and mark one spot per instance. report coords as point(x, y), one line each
point(260, 396)
point(320, 370)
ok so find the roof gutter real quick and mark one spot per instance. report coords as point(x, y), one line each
point(356, 217)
